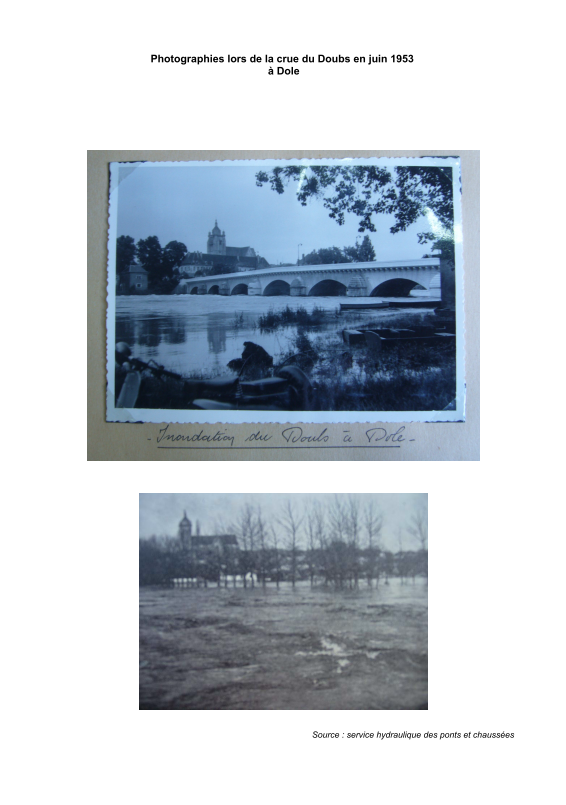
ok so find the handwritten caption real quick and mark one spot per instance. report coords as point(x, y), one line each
point(289, 436)
point(284, 65)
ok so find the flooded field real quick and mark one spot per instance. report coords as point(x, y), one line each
point(313, 649)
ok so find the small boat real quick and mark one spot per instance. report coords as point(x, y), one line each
point(353, 337)
point(363, 305)
point(379, 339)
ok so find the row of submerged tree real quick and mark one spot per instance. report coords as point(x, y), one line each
point(337, 546)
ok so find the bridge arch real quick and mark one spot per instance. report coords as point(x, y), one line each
point(214, 289)
point(328, 287)
point(194, 289)
point(394, 287)
point(240, 288)
point(277, 288)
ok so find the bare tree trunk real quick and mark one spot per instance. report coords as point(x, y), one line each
point(291, 522)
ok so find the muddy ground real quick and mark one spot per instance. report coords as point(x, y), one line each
point(308, 649)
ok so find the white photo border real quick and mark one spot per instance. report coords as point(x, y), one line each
point(229, 417)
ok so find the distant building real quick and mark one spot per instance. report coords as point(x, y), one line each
point(201, 546)
point(221, 257)
point(133, 278)
point(216, 244)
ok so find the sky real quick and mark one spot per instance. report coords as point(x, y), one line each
point(160, 514)
point(182, 203)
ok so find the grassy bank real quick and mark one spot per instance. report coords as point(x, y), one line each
point(299, 316)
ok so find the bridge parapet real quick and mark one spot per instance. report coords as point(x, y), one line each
point(339, 279)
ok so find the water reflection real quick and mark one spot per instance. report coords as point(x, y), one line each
point(200, 334)
point(125, 331)
point(149, 332)
point(174, 330)
point(216, 332)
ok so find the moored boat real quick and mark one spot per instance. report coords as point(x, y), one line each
point(363, 305)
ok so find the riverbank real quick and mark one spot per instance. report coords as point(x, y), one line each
point(408, 376)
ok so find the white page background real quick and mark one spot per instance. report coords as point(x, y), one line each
point(85, 81)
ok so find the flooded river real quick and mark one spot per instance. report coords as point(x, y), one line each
point(190, 334)
point(284, 649)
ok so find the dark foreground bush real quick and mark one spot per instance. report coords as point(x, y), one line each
point(409, 378)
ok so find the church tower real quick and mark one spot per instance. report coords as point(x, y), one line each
point(185, 529)
point(216, 243)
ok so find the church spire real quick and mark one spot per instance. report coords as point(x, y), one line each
point(185, 531)
point(216, 243)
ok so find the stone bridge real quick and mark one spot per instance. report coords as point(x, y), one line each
point(396, 278)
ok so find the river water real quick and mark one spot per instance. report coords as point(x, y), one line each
point(194, 334)
point(284, 648)
point(202, 333)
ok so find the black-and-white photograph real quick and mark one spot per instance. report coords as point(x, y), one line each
point(299, 290)
point(283, 602)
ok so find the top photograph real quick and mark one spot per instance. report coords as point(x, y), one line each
point(282, 291)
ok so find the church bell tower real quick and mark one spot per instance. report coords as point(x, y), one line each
point(185, 529)
point(216, 243)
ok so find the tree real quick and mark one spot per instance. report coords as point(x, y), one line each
point(400, 556)
point(311, 545)
point(373, 523)
point(150, 256)
point(325, 256)
point(339, 550)
point(388, 565)
point(246, 530)
point(125, 253)
point(231, 565)
point(366, 190)
point(152, 563)
point(338, 519)
point(337, 557)
point(262, 558)
point(318, 525)
point(229, 557)
point(172, 256)
point(366, 252)
point(360, 253)
point(275, 556)
point(353, 526)
point(291, 522)
point(213, 566)
point(161, 278)
point(407, 193)
point(418, 528)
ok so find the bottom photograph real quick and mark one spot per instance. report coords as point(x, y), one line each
point(283, 601)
